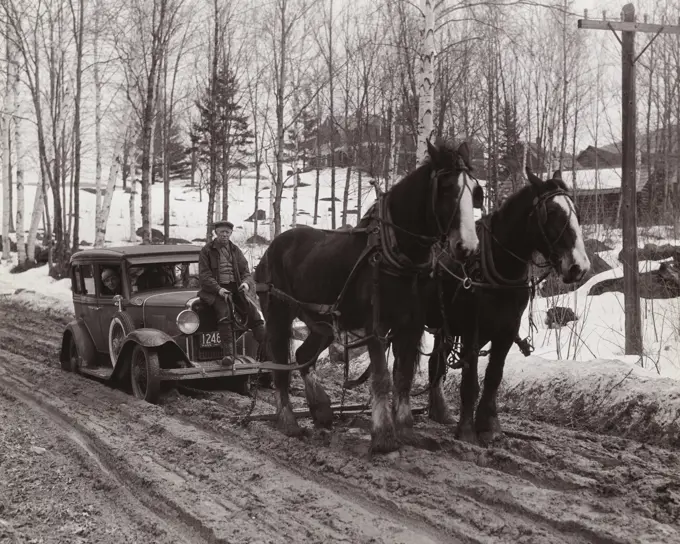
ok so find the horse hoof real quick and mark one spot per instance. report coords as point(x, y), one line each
point(322, 416)
point(486, 438)
point(466, 434)
point(404, 421)
point(407, 437)
point(441, 415)
point(384, 442)
point(288, 424)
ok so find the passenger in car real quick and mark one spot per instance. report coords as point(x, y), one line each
point(111, 281)
point(223, 271)
point(154, 277)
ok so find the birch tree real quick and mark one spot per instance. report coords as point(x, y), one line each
point(426, 82)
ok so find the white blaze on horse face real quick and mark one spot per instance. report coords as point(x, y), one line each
point(578, 252)
point(468, 233)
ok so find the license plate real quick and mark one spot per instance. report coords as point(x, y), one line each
point(210, 339)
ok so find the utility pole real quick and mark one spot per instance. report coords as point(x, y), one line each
point(631, 278)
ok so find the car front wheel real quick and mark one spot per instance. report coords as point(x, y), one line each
point(121, 325)
point(145, 374)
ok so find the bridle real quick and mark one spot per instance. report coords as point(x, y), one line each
point(539, 210)
point(463, 169)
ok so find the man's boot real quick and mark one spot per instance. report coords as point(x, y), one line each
point(227, 346)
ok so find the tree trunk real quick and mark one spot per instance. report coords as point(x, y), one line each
point(317, 184)
point(97, 121)
point(116, 160)
point(212, 183)
point(6, 138)
point(133, 192)
point(332, 114)
point(164, 150)
point(426, 83)
point(76, 127)
point(21, 242)
point(277, 186)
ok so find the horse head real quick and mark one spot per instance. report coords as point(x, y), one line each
point(556, 227)
point(453, 197)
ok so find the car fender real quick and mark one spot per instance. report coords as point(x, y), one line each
point(149, 338)
point(84, 342)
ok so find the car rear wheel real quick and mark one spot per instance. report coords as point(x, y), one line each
point(121, 325)
point(145, 374)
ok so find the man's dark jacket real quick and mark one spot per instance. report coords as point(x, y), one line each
point(209, 270)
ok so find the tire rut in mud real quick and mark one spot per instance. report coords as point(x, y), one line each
point(151, 506)
point(538, 484)
point(234, 486)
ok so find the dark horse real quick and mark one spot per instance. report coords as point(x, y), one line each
point(485, 300)
point(539, 217)
point(366, 278)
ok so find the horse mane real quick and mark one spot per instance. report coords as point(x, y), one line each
point(529, 190)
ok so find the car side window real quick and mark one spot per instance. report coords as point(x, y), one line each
point(87, 275)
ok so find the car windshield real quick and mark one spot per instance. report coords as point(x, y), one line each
point(149, 277)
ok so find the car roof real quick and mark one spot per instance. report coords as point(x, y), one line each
point(122, 252)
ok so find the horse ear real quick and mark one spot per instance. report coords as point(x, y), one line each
point(478, 197)
point(431, 150)
point(557, 174)
point(533, 178)
point(464, 152)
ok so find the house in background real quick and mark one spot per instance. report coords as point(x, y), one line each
point(597, 193)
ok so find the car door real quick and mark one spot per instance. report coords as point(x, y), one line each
point(107, 308)
point(85, 302)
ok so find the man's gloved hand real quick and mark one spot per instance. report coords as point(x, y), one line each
point(244, 287)
point(223, 292)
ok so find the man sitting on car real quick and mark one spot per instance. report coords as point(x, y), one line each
point(223, 271)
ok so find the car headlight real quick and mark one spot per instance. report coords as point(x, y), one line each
point(187, 321)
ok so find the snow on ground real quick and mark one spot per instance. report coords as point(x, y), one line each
point(598, 334)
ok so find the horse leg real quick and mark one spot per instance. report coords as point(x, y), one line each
point(405, 347)
point(317, 399)
point(486, 418)
point(279, 320)
point(383, 435)
point(469, 391)
point(438, 409)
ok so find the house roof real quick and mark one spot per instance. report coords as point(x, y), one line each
point(602, 180)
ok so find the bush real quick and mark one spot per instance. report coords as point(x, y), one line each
point(26, 265)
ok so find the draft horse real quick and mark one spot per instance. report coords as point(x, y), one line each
point(484, 301)
point(369, 278)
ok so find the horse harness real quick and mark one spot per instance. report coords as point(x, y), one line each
point(382, 253)
point(479, 272)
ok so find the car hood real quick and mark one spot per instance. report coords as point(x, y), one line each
point(164, 299)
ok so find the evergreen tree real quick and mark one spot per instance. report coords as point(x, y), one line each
point(231, 127)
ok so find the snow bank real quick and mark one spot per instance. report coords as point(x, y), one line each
point(614, 397)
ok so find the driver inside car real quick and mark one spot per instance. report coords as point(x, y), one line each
point(111, 281)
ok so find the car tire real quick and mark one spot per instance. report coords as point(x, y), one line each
point(145, 374)
point(74, 360)
point(121, 325)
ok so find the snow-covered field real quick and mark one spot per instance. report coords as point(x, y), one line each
point(597, 335)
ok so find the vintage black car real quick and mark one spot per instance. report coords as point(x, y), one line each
point(148, 325)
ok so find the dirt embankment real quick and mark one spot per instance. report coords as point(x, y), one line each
point(80, 461)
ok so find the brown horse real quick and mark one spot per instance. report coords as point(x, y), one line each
point(366, 278)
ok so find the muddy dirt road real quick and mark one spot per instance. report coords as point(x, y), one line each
point(81, 462)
